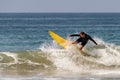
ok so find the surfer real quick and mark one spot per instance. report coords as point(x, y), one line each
point(83, 39)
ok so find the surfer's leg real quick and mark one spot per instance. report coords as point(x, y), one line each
point(75, 42)
point(81, 47)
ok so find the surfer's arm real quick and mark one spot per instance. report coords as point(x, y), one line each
point(74, 35)
point(92, 40)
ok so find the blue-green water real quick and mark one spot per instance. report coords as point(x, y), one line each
point(26, 49)
point(29, 31)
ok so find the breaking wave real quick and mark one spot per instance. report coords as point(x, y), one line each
point(92, 59)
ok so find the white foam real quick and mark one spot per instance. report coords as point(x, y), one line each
point(107, 54)
point(13, 55)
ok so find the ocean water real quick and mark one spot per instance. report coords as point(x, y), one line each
point(28, 52)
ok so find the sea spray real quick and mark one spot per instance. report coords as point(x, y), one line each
point(72, 59)
point(51, 56)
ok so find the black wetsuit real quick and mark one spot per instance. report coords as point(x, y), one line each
point(83, 40)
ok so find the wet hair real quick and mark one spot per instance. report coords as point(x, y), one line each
point(82, 33)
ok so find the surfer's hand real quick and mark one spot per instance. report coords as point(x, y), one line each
point(97, 44)
point(68, 35)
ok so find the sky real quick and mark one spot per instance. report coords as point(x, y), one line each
point(59, 6)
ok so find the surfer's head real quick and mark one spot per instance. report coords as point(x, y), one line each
point(82, 34)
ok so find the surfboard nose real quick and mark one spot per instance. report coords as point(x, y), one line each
point(61, 41)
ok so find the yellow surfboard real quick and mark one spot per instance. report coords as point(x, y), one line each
point(61, 41)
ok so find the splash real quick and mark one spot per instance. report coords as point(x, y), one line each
point(94, 57)
point(50, 56)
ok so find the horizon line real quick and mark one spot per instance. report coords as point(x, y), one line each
point(59, 12)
